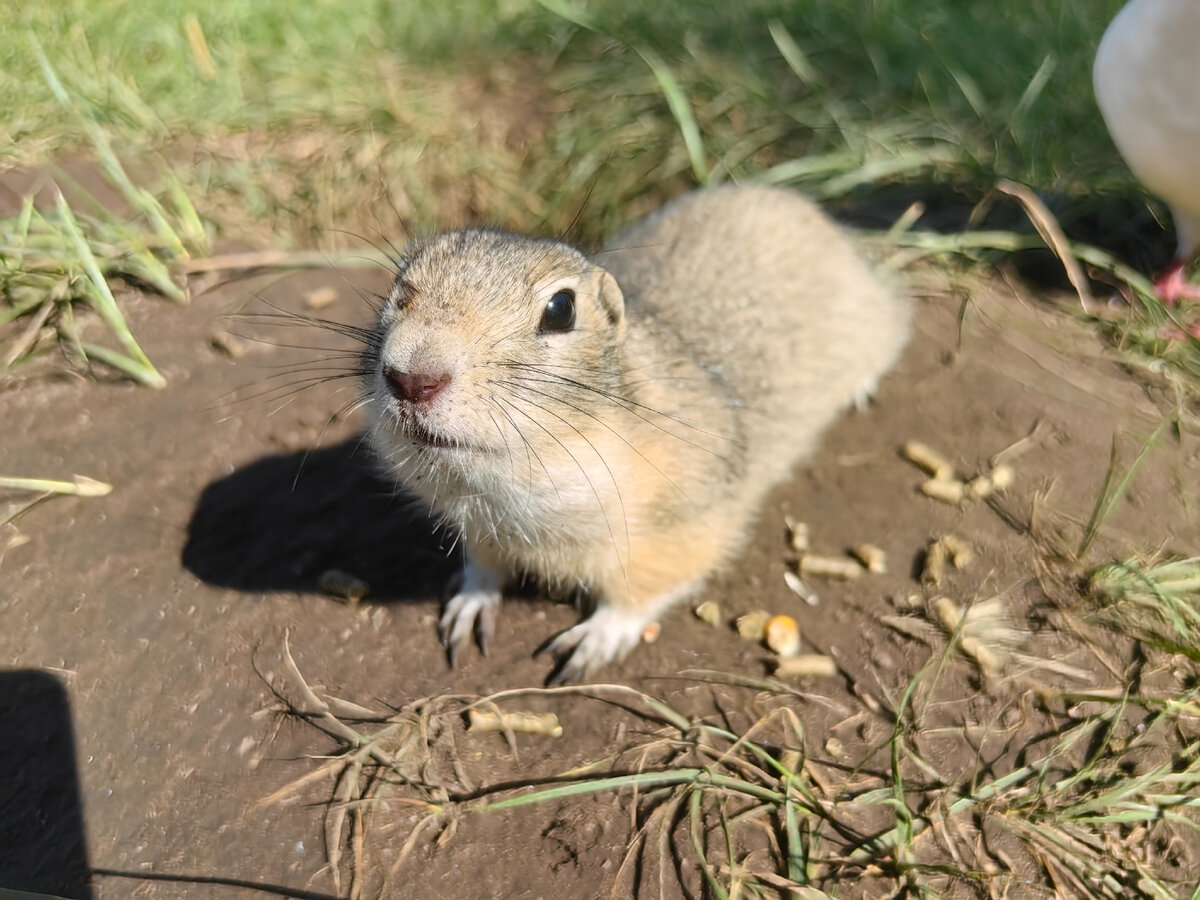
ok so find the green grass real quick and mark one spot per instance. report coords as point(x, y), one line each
point(307, 127)
point(818, 92)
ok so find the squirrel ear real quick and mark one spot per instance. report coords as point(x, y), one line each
point(612, 301)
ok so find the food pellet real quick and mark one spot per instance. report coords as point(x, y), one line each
point(806, 664)
point(928, 460)
point(752, 625)
point(830, 567)
point(946, 491)
point(935, 563)
point(782, 635)
point(521, 722)
point(708, 612)
point(797, 535)
point(872, 558)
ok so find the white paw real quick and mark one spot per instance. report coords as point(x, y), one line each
point(472, 609)
point(604, 637)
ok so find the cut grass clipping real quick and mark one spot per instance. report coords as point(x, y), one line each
point(761, 811)
point(52, 261)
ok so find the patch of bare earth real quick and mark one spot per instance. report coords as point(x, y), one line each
point(163, 609)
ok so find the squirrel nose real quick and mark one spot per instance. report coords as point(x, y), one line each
point(415, 387)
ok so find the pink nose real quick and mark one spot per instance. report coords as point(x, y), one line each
point(415, 387)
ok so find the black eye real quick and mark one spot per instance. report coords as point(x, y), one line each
point(559, 314)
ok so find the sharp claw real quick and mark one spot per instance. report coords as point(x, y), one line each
point(469, 611)
point(604, 637)
point(485, 627)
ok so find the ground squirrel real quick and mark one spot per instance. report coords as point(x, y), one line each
point(612, 424)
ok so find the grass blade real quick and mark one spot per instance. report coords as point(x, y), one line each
point(79, 486)
point(138, 364)
point(677, 102)
point(1111, 493)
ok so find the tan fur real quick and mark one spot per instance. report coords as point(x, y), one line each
point(714, 341)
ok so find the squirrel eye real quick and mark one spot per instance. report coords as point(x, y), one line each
point(559, 314)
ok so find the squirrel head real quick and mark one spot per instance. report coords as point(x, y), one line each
point(482, 332)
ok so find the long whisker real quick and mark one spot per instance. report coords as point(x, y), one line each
point(616, 433)
point(510, 386)
point(591, 485)
point(528, 445)
point(630, 406)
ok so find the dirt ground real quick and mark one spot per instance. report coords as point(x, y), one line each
point(142, 631)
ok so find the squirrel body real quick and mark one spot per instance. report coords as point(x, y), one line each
point(614, 424)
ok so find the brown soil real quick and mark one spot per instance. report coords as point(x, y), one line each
point(143, 631)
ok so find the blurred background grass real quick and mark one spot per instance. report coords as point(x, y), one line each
point(291, 123)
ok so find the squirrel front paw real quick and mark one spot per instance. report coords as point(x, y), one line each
point(604, 637)
point(473, 608)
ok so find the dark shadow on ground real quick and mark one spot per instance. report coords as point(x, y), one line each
point(279, 523)
point(42, 843)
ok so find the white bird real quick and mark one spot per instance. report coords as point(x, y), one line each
point(1147, 83)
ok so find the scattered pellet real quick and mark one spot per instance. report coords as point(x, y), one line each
point(947, 612)
point(984, 486)
point(988, 662)
point(928, 460)
point(806, 664)
point(1002, 477)
point(872, 558)
point(800, 587)
point(960, 552)
point(980, 487)
point(651, 632)
point(782, 635)
point(752, 626)
point(946, 490)
point(998, 479)
point(341, 584)
point(708, 612)
point(797, 535)
point(520, 722)
point(970, 642)
point(830, 567)
point(936, 558)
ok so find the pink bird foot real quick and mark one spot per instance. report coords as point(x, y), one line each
point(1172, 286)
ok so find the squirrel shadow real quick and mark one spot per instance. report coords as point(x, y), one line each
point(43, 847)
point(280, 522)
